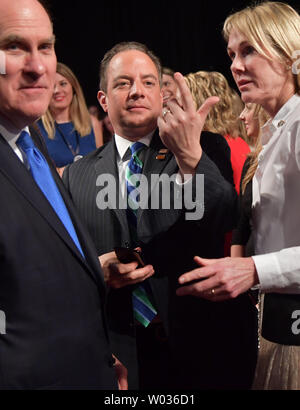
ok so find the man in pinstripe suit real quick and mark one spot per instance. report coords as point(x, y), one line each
point(130, 92)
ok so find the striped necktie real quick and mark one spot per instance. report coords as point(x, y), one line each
point(41, 173)
point(143, 309)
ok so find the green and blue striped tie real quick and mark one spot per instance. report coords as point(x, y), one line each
point(144, 310)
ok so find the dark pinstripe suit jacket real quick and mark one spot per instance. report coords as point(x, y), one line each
point(56, 334)
point(169, 242)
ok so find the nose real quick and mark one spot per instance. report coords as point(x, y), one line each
point(136, 90)
point(34, 66)
point(56, 88)
point(242, 116)
point(237, 65)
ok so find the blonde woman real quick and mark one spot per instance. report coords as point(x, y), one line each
point(263, 45)
point(223, 118)
point(254, 117)
point(67, 127)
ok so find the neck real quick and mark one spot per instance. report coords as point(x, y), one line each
point(13, 127)
point(134, 134)
point(61, 116)
point(273, 106)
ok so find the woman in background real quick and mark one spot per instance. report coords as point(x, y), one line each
point(254, 117)
point(223, 118)
point(67, 127)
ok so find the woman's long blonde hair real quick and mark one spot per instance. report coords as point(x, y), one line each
point(273, 29)
point(223, 117)
point(79, 114)
point(262, 117)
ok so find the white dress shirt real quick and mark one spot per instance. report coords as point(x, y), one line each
point(276, 202)
point(122, 145)
point(11, 138)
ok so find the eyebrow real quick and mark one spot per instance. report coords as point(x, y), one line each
point(245, 42)
point(127, 77)
point(150, 76)
point(14, 38)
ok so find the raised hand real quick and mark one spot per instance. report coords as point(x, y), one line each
point(180, 127)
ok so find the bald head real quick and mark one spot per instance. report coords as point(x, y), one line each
point(29, 5)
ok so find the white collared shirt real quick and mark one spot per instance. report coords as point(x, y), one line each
point(11, 138)
point(276, 202)
point(122, 145)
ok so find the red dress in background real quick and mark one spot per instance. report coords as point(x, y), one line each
point(239, 152)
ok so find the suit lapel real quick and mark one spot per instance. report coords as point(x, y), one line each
point(21, 178)
point(107, 164)
point(156, 159)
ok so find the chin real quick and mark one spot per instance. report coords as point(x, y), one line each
point(30, 116)
point(247, 98)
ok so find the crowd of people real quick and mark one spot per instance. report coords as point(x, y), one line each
point(150, 243)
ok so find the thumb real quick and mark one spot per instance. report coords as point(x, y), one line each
point(207, 105)
point(204, 262)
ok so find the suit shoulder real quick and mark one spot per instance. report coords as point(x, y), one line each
point(88, 160)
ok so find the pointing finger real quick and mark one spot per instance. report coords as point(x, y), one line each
point(186, 96)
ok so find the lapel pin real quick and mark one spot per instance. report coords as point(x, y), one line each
point(162, 154)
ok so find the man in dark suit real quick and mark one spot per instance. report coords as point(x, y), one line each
point(203, 339)
point(51, 290)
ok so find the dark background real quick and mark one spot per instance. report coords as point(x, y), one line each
point(185, 34)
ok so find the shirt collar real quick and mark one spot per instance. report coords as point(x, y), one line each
point(280, 118)
point(123, 144)
point(11, 137)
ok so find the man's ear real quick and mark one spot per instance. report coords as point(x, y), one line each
point(102, 100)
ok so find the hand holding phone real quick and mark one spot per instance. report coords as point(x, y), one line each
point(127, 255)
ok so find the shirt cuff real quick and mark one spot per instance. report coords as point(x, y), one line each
point(279, 272)
point(268, 271)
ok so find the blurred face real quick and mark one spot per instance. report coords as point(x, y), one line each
point(262, 81)
point(108, 124)
point(27, 41)
point(169, 88)
point(133, 100)
point(62, 96)
point(250, 120)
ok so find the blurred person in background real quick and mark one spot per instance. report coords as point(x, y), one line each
point(254, 117)
point(107, 130)
point(169, 86)
point(67, 127)
point(223, 118)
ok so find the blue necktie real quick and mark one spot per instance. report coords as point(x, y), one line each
point(143, 309)
point(42, 175)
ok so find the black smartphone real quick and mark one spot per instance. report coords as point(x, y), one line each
point(127, 255)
